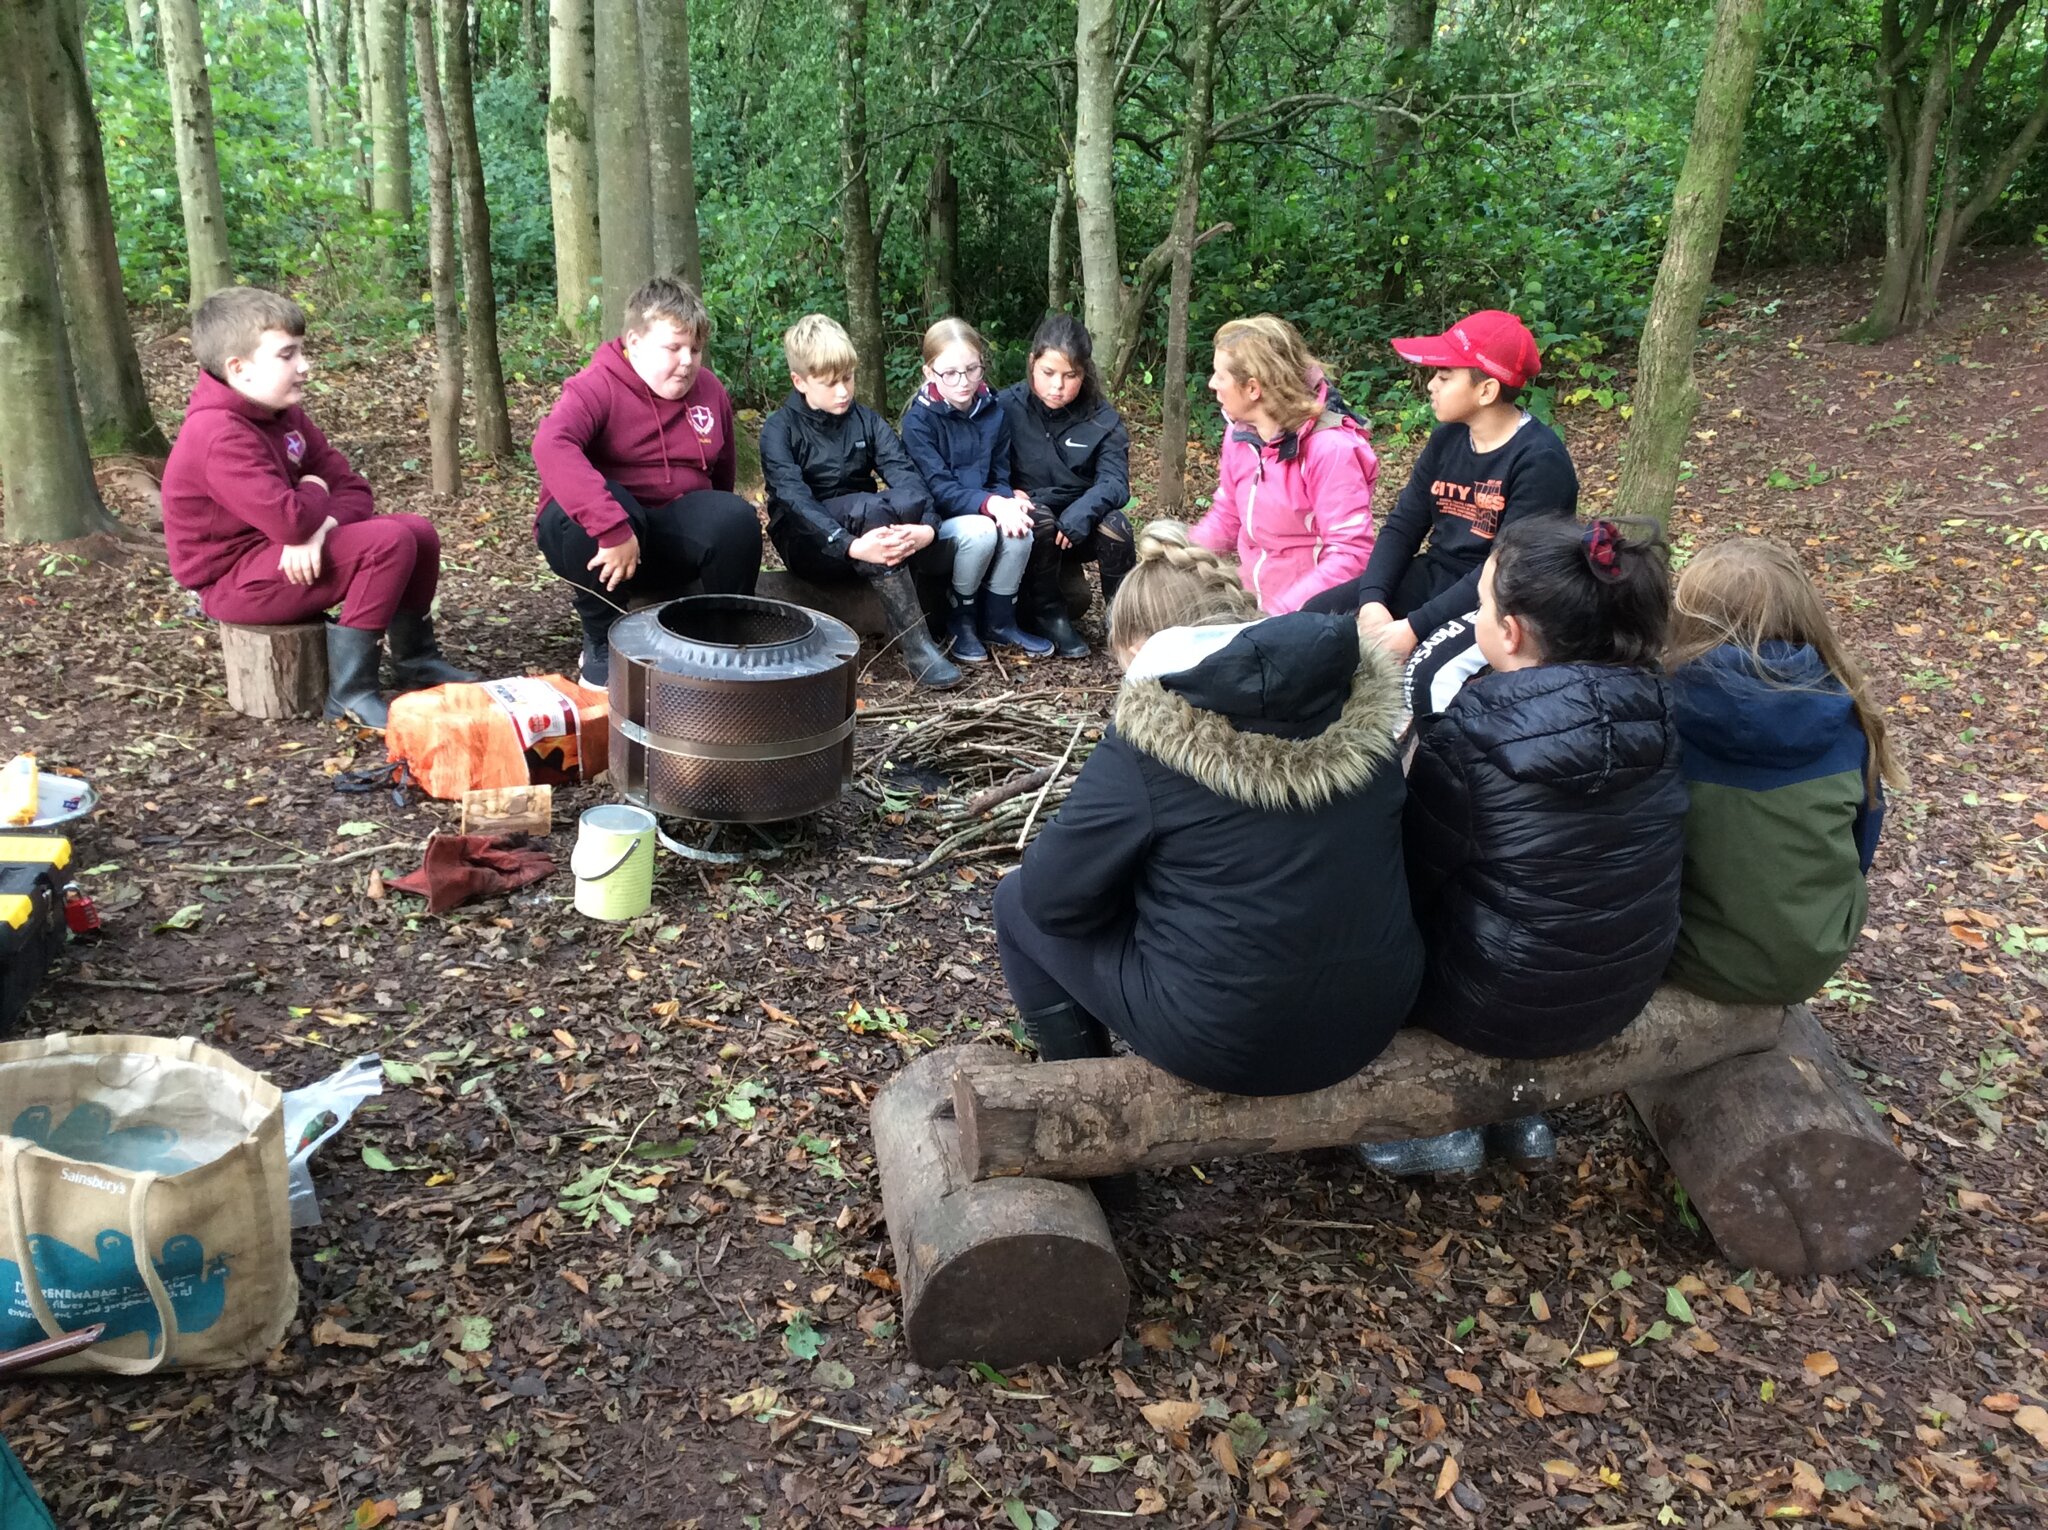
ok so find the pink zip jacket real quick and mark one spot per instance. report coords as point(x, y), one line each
point(1296, 512)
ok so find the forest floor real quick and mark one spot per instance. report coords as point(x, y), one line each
point(469, 1352)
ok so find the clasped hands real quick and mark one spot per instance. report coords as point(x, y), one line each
point(890, 545)
point(300, 562)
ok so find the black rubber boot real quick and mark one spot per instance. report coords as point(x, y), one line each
point(1527, 1142)
point(905, 618)
point(999, 626)
point(1459, 1152)
point(1047, 603)
point(416, 658)
point(1116, 554)
point(352, 655)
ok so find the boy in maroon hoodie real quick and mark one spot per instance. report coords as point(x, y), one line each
point(636, 465)
point(270, 524)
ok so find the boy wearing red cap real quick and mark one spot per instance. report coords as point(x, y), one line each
point(1488, 462)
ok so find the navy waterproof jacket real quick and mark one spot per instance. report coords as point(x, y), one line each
point(963, 454)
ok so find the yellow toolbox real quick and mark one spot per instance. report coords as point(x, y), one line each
point(33, 870)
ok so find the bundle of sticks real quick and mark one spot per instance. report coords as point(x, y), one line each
point(1006, 762)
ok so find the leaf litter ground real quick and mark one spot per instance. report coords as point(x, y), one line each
point(608, 1251)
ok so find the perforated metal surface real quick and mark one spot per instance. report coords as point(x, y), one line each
point(719, 675)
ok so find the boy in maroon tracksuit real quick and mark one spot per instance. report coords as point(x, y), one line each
point(269, 523)
point(636, 465)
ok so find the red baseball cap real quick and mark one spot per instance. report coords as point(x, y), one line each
point(1497, 343)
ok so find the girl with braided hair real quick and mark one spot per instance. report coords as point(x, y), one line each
point(1546, 815)
point(1199, 892)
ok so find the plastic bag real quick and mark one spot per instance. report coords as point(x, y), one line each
point(314, 1114)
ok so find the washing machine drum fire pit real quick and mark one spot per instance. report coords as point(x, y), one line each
point(731, 708)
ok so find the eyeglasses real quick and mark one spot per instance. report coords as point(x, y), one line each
point(957, 375)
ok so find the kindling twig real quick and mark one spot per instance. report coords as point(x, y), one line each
point(387, 847)
point(1039, 801)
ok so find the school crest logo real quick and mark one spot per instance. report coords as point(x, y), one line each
point(701, 419)
point(295, 446)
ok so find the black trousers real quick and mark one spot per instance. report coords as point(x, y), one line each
point(707, 537)
point(859, 514)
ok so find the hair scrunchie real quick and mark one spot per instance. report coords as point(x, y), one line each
point(1601, 543)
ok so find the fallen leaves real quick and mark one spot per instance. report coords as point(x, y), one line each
point(1171, 1418)
point(1820, 1363)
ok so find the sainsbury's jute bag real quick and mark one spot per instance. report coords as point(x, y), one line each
point(142, 1185)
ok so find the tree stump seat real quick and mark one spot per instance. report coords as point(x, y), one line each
point(1003, 1256)
point(276, 671)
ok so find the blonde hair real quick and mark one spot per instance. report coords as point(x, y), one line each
point(1751, 591)
point(1175, 584)
point(817, 345)
point(1267, 349)
point(670, 298)
point(232, 322)
point(945, 333)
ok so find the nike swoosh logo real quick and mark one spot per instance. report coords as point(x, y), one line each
point(1077, 445)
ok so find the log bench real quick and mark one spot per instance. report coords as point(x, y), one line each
point(856, 603)
point(276, 671)
point(1001, 1256)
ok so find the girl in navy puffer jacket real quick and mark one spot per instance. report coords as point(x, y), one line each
point(1545, 826)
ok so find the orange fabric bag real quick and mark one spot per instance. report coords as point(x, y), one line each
point(527, 730)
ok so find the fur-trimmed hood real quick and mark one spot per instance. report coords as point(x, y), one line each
point(1280, 715)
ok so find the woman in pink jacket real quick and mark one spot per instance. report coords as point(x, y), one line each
point(1293, 498)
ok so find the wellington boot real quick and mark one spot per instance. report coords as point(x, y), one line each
point(416, 658)
point(905, 617)
point(352, 655)
point(1459, 1152)
point(999, 625)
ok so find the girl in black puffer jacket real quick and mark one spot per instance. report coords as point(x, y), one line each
point(1545, 825)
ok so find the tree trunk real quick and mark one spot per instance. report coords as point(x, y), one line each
point(366, 96)
point(1056, 294)
point(206, 224)
point(665, 46)
point(1411, 27)
point(390, 143)
point(1194, 154)
point(1094, 174)
point(316, 78)
point(942, 233)
point(1666, 394)
point(861, 260)
point(444, 403)
point(1081, 1120)
point(276, 671)
point(138, 29)
point(572, 163)
point(529, 43)
point(486, 372)
point(624, 191)
point(114, 399)
point(47, 493)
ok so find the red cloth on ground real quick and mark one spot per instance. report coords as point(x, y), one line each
point(371, 569)
point(234, 483)
point(460, 868)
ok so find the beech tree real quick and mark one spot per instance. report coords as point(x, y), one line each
point(860, 245)
point(487, 377)
point(206, 223)
point(112, 394)
point(572, 161)
point(47, 493)
point(1666, 393)
point(672, 175)
point(1194, 154)
point(624, 186)
point(1094, 172)
point(444, 403)
point(390, 142)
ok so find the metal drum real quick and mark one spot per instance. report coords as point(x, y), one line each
point(731, 708)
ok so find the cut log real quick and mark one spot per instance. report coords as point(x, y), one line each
point(1007, 1272)
point(1783, 1158)
point(276, 671)
point(857, 605)
point(1080, 1120)
point(509, 810)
